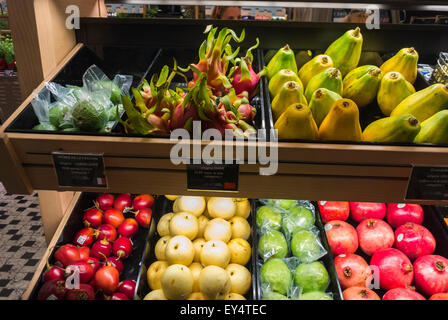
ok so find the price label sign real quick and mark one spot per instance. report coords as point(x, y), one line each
point(428, 183)
point(80, 169)
point(222, 177)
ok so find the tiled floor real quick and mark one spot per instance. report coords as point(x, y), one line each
point(22, 242)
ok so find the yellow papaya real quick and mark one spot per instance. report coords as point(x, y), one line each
point(290, 93)
point(296, 123)
point(434, 129)
point(394, 88)
point(402, 128)
point(405, 62)
point(283, 76)
point(424, 103)
point(283, 59)
point(330, 79)
point(342, 122)
point(316, 65)
point(321, 102)
point(361, 85)
point(346, 50)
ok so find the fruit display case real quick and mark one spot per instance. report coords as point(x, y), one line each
point(365, 172)
point(68, 228)
point(327, 260)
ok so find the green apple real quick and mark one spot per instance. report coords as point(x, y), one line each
point(315, 295)
point(283, 203)
point(311, 276)
point(272, 244)
point(271, 295)
point(306, 246)
point(297, 218)
point(276, 275)
point(269, 218)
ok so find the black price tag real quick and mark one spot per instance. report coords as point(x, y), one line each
point(223, 177)
point(428, 183)
point(80, 169)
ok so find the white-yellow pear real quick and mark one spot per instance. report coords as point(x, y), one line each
point(196, 296)
point(224, 208)
point(214, 283)
point(155, 295)
point(240, 251)
point(193, 205)
point(163, 226)
point(240, 278)
point(160, 247)
point(171, 197)
point(215, 252)
point(177, 282)
point(234, 296)
point(195, 269)
point(240, 228)
point(198, 245)
point(175, 205)
point(202, 222)
point(242, 208)
point(179, 250)
point(218, 229)
point(155, 273)
point(184, 224)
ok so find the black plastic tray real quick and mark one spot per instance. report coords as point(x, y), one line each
point(131, 266)
point(433, 221)
point(133, 61)
point(334, 286)
point(166, 206)
point(186, 56)
point(367, 115)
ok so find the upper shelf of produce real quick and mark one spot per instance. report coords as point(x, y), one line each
point(307, 169)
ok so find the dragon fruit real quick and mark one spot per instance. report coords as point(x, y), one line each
point(244, 77)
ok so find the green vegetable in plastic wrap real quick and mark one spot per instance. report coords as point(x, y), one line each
point(315, 295)
point(45, 126)
point(272, 244)
point(271, 295)
point(296, 219)
point(276, 275)
point(269, 218)
point(88, 118)
point(312, 276)
point(306, 246)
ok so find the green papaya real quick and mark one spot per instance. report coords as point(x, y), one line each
point(302, 57)
point(283, 76)
point(370, 57)
point(361, 85)
point(424, 103)
point(394, 88)
point(330, 79)
point(402, 128)
point(346, 50)
point(405, 62)
point(290, 93)
point(314, 66)
point(434, 129)
point(283, 59)
point(321, 102)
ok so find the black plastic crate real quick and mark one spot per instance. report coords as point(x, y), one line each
point(334, 286)
point(367, 115)
point(186, 56)
point(131, 266)
point(134, 61)
point(166, 206)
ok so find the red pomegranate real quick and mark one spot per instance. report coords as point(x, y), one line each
point(342, 237)
point(414, 240)
point(334, 210)
point(400, 213)
point(431, 274)
point(352, 270)
point(439, 296)
point(402, 294)
point(360, 211)
point(394, 268)
point(359, 293)
point(374, 234)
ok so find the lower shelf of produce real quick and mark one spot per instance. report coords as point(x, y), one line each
point(210, 248)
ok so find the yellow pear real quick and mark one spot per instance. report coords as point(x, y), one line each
point(160, 247)
point(215, 252)
point(163, 226)
point(240, 251)
point(218, 229)
point(155, 295)
point(177, 282)
point(184, 223)
point(155, 273)
point(240, 228)
point(195, 269)
point(240, 278)
point(179, 250)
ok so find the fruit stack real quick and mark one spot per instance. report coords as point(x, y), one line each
point(400, 251)
point(91, 266)
point(323, 99)
point(290, 249)
point(203, 251)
